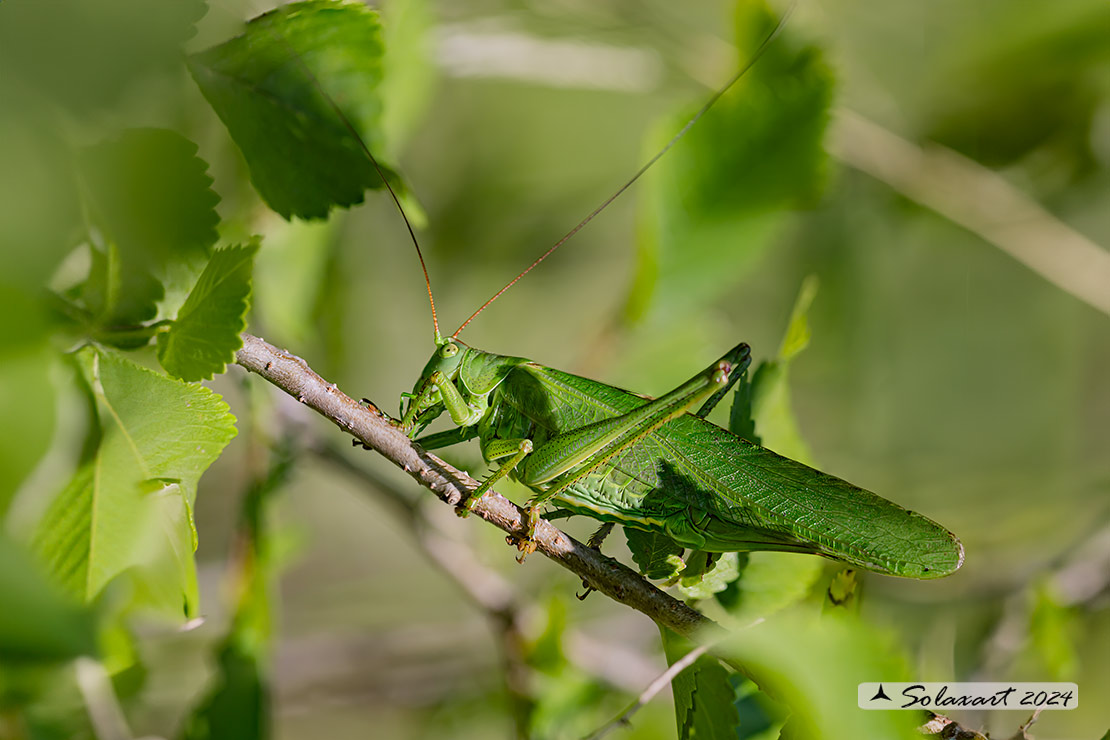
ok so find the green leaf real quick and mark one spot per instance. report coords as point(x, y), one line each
point(151, 194)
point(770, 582)
point(271, 88)
point(704, 697)
point(771, 408)
point(120, 291)
point(813, 666)
point(150, 197)
point(1025, 77)
point(797, 331)
point(740, 420)
point(1051, 629)
point(758, 715)
point(701, 584)
point(130, 505)
point(657, 555)
point(27, 408)
point(237, 706)
point(719, 199)
point(546, 651)
point(39, 204)
point(205, 335)
point(37, 622)
point(564, 698)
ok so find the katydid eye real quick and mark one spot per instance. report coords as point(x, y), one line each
point(449, 350)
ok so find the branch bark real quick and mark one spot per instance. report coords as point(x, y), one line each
point(373, 428)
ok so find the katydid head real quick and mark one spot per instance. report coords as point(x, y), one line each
point(458, 379)
point(447, 359)
point(425, 403)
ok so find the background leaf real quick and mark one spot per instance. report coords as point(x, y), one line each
point(565, 702)
point(151, 194)
point(704, 697)
point(740, 421)
point(204, 336)
point(757, 153)
point(1037, 67)
point(813, 666)
point(27, 404)
point(289, 278)
point(120, 291)
point(770, 582)
point(150, 198)
point(266, 87)
point(657, 555)
point(770, 395)
point(725, 570)
point(1053, 633)
point(238, 703)
point(37, 623)
point(130, 505)
point(39, 204)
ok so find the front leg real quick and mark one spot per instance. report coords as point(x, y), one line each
point(450, 437)
point(453, 400)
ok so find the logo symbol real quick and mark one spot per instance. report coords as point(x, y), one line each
point(880, 694)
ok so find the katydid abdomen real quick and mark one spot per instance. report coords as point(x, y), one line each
point(707, 488)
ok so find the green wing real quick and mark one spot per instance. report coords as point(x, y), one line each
point(711, 490)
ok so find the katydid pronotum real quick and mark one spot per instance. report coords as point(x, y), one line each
point(656, 465)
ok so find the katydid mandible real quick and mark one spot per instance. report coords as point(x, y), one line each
point(656, 465)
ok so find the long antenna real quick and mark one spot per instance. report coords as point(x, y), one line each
point(674, 140)
point(381, 173)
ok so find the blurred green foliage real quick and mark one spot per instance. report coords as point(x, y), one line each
point(703, 696)
point(129, 507)
point(266, 85)
point(938, 372)
point(813, 666)
point(38, 623)
point(206, 331)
